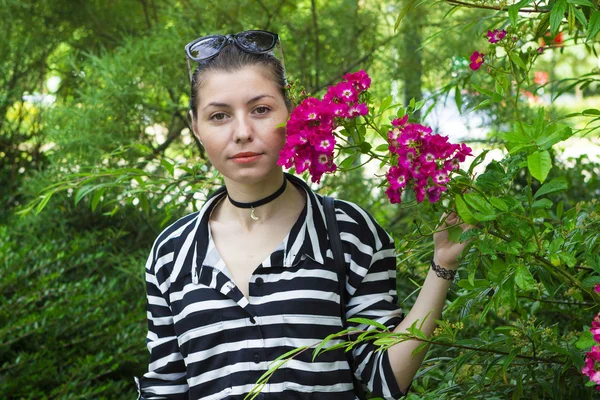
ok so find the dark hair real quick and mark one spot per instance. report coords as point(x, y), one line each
point(231, 59)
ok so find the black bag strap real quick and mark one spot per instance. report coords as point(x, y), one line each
point(340, 266)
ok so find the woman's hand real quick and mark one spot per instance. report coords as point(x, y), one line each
point(446, 252)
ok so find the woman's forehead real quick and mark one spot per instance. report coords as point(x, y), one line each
point(242, 84)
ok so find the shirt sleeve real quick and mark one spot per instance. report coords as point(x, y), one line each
point(372, 294)
point(166, 376)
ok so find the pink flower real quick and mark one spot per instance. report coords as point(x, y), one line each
point(434, 193)
point(440, 177)
point(540, 49)
point(400, 122)
point(597, 288)
point(345, 91)
point(360, 80)
point(325, 144)
point(419, 193)
point(591, 361)
point(395, 196)
point(477, 59)
point(397, 177)
point(421, 160)
point(338, 110)
point(496, 35)
point(406, 158)
point(358, 109)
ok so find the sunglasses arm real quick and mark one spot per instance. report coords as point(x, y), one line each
point(282, 62)
point(189, 68)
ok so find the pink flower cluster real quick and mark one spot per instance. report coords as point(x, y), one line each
point(592, 358)
point(310, 139)
point(424, 161)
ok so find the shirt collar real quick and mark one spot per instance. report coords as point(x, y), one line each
point(308, 237)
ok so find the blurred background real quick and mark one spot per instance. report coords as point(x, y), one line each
point(96, 157)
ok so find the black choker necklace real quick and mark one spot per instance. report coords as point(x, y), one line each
point(260, 202)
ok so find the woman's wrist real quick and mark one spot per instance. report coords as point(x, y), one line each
point(442, 272)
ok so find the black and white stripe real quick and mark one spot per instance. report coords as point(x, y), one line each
point(207, 341)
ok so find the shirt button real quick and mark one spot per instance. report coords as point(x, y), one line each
point(256, 358)
point(259, 281)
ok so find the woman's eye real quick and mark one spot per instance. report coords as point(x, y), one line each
point(262, 110)
point(218, 116)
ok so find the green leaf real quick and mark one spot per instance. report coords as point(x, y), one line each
point(513, 14)
point(368, 322)
point(385, 103)
point(96, 198)
point(580, 17)
point(585, 341)
point(408, 5)
point(347, 162)
point(485, 211)
point(553, 134)
point(483, 91)
point(454, 234)
point(590, 111)
point(170, 167)
point(559, 209)
point(83, 191)
point(382, 147)
point(463, 211)
point(555, 185)
point(365, 147)
point(582, 3)
point(590, 281)
point(539, 163)
point(593, 260)
point(458, 98)
point(556, 15)
point(593, 25)
point(542, 203)
point(509, 358)
point(514, 56)
point(45, 199)
point(499, 203)
point(542, 26)
point(524, 279)
point(508, 295)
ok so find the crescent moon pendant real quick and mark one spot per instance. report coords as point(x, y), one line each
point(254, 217)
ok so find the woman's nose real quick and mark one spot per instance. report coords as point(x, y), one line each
point(244, 130)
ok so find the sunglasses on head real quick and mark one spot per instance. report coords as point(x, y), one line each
point(253, 41)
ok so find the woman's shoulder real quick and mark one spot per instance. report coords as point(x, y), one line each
point(355, 220)
point(175, 230)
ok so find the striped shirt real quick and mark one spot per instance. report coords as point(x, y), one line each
point(208, 341)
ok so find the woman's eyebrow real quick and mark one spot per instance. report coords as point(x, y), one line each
point(252, 100)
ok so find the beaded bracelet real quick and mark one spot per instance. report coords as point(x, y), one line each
point(443, 272)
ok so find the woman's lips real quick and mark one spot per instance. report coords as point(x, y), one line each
point(245, 158)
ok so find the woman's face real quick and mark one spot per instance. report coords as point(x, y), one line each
point(237, 117)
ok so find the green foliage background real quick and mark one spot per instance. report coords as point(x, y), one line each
point(108, 157)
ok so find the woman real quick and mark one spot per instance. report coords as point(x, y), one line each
point(250, 276)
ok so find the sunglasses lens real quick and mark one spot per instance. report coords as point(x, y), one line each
point(254, 41)
point(206, 48)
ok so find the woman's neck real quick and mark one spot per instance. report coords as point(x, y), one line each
point(248, 193)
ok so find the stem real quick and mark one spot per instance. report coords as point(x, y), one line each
point(570, 303)
point(484, 350)
point(471, 5)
